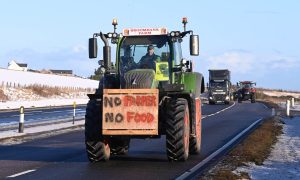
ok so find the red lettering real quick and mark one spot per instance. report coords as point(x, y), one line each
point(144, 117)
point(139, 101)
point(150, 118)
point(137, 117)
point(130, 116)
point(151, 101)
point(129, 100)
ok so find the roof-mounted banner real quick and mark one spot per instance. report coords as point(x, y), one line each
point(144, 31)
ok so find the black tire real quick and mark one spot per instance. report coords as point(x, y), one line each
point(253, 99)
point(195, 141)
point(177, 129)
point(97, 147)
point(119, 146)
point(226, 102)
point(239, 100)
point(211, 102)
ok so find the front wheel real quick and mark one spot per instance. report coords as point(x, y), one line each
point(177, 129)
point(253, 99)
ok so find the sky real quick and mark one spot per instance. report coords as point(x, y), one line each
point(256, 40)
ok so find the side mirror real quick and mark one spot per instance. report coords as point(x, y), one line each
point(194, 45)
point(93, 48)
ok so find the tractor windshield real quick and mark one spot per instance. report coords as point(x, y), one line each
point(143, 52)
point(247, 86)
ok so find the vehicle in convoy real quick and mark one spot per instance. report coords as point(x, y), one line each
point(219, 86)
point(246, 91)
point(145, 96)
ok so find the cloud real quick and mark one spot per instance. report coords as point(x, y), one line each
point(245, 62)
point(239, 61)
point(266, 68)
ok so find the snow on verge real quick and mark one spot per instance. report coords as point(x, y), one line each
point(284, 160)
point(41, 103)
point(39, 129)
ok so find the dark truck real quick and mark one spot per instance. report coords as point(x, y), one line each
point(246, 91)
point(219, 87)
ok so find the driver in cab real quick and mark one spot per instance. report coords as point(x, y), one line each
point(148, 61)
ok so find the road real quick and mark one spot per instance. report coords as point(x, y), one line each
point(64, 157)
point(42, 114)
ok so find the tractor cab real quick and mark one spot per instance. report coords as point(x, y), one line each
point(145, 53)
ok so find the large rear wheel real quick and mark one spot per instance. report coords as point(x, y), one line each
point(177, 129)
point(97, 147)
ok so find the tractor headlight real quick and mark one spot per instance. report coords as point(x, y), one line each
point(175, 33)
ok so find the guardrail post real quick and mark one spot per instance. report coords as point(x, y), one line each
point(21, 123)
point(293, 102)
point(74, 111)
point(288, 108)
point(273, 111)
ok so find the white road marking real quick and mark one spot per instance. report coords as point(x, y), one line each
point(36, 111)
point(15, 115)
point(265, 106)
point(216, 153)
point(203, 117)
point(29, 114)
point(21, 173)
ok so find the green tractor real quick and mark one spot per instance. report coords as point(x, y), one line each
point(150, 91)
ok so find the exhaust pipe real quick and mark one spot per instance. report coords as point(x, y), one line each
point(106, 52)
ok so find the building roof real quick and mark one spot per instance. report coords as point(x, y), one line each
point(22, 65)
point(61, 71)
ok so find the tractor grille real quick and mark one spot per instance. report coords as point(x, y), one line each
point(139, 79)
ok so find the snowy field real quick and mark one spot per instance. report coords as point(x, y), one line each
point(31, 78)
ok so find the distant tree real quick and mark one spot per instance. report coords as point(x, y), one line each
point(96, 75)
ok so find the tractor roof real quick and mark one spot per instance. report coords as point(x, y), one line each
point(247, 82)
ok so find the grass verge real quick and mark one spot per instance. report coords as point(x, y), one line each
point(255, 148)
point(44, 92)
point(3, 97)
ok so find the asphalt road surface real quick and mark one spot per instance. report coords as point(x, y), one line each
point(64, 157)
point(42, 114)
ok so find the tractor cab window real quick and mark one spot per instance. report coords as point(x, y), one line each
point(177, 52)
point(143, 52)
point(247, 86)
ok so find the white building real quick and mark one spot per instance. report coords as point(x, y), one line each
point(13, 65)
